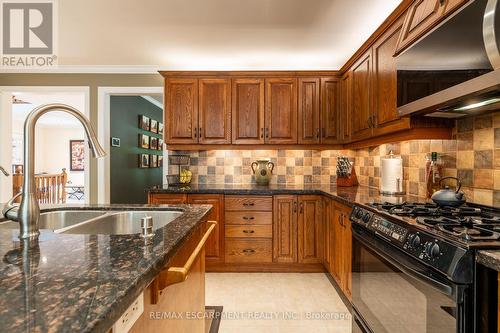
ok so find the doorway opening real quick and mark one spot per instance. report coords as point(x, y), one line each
point(61, 152)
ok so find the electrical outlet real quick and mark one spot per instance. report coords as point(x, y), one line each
point(130, 316)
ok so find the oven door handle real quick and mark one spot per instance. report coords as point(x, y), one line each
point(402, 263)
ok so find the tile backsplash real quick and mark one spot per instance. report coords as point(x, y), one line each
point(291, 166)
point(473, 156)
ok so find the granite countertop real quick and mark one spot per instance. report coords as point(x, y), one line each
point(345, 195)
point(83, 283)
point(489, 258)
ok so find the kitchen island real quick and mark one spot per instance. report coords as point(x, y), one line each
point(84, 283)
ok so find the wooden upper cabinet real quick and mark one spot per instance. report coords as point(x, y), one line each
point(330, 110)
point(310, 229)
point(422, 17)
point(281, 111)
point(248, 111)
point(214, 111)
point(309, 111)
point(181, 111)
point(361, 99)
point(345, 116)
point(384, 84)
point(285, 229)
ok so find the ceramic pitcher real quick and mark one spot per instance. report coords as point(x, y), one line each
point(262, 170)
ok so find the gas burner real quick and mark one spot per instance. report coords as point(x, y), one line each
point(468, 233)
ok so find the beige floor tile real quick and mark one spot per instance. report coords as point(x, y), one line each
point(287, 301)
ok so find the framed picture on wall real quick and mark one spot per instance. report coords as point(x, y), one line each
point(160, 128)
point(76, 155)
point(144, 122)
point(153, 143)
point(160, 144)
point(153, 126)
point(144, 141)
point(143, 161)
point(160, 161)
point(153, 161)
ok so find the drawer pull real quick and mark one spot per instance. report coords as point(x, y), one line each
point(248, 218)
point(249, 231)
point(179, 274)
point(246, 204)
point(248, 251)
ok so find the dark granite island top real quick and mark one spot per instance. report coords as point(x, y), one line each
point(489, 258)
point(83, 283)
point(345, 195)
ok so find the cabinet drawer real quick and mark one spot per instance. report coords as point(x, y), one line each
point(249, 217)
point(244, 202)
point(248, 250)
point(249, 231)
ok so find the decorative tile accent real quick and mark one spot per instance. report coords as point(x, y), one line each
point(473, 156)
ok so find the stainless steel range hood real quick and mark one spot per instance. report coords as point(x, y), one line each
point(455, 70)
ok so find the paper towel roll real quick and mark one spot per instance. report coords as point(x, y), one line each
point(391, 175)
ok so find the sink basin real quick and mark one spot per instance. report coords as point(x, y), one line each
point(59, 219)
point(122, 223)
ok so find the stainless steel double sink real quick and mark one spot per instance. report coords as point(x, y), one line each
point(95, 222)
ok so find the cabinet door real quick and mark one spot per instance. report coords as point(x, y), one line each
point(347, 255)
point(361, 103)
point(309, 229)
point(281, 111)
point(214, 247)
point(338, 252)
point(181, 111)
point(214, 111)
point(248, 111)
point(346, 108)
point(330, 110)
point(385, 113)
point(167, 199)
point(285, 229)
point(421, 17)
point(309, 111)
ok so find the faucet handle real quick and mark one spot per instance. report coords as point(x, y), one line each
point(10, 206)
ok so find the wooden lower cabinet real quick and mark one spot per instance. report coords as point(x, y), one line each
point(297, 229)
point(214, 247)
point(167, 199)
point(341, 246)
point(186, 298)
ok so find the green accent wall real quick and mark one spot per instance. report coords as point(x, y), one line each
point(128, 181)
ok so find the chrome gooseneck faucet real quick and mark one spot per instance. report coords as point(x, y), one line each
point(28, 212)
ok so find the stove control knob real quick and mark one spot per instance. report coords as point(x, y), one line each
point(359, 213)
point(366, 217)
point(432, 250)
point(415, 241)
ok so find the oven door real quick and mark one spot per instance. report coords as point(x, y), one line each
point(394, 293)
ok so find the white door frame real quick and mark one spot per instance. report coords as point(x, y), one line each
point(104, 132)
point(6, 126)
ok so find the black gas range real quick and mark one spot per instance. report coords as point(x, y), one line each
point(426, 254)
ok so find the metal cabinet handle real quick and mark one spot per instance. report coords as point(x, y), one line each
point(267, 133)
point(179, 274)
point(301, 207)
point(248, 231)
point(295, 207)
point(246, 204)
point(248, 251)
point(262, 133)
point(248, 218)
point(199, 132)
point(318, 133)
point(442, 2)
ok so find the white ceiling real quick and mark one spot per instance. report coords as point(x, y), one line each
point(217, 34)
point(20, 111)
